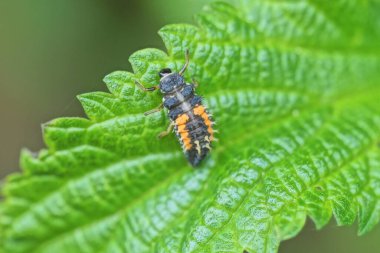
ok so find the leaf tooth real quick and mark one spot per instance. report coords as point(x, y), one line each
point(147, 63)
point(369, 213)
point(120, 83)
point(176, 44)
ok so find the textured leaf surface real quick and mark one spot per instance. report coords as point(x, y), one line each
point(294, 87)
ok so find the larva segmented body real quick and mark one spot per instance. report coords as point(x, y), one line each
point(190, 119)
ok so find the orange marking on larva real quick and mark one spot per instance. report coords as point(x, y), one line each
point(201, 111)
point(181, 129)
point(207, 120)
point(186, 141)
point(181, 119)
point(208, 123)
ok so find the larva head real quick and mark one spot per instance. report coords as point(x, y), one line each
point(170, 81)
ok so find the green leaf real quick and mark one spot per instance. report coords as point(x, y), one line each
point(294, 87)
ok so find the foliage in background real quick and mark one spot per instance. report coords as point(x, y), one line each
point(294, 89)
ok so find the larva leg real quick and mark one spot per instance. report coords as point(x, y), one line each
point(142, 87)
point(168, 131)
point(159, 108)
point(187, 57)
point(195, 83)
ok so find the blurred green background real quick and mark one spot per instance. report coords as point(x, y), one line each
point(50, 51)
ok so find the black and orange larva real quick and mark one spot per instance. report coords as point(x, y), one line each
point(189, 118)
